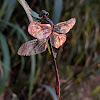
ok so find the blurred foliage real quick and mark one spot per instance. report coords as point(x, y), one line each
point(21, 77)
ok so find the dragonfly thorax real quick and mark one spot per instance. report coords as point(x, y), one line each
point(44, 18)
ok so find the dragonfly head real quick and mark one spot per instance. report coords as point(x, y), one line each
point(43, 13)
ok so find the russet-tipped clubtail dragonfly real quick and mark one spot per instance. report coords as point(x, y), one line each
point(46, 33)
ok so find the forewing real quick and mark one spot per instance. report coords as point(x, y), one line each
point(32, 47)
point(64, 27)
point(38, 30)
point(57, 39)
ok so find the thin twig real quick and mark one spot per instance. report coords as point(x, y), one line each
point(27, 9)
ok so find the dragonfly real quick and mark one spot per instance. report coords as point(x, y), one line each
point(46, 33)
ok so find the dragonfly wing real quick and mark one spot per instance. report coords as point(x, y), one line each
point(32, 47)
point(64, 27)
point(57, 39)
point(38, 30)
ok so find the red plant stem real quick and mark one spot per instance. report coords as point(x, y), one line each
point(56, 70)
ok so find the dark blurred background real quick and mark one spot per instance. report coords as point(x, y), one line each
point(78, 59)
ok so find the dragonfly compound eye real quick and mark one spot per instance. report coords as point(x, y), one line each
point(43, 13)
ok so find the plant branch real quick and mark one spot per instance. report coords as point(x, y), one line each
point(27, 9)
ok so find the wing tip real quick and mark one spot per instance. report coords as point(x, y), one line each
point(74, 20)
point(21, 54)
